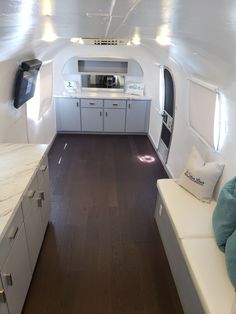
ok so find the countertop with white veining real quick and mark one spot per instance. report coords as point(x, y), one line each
point(18, 165)
point(103, 95)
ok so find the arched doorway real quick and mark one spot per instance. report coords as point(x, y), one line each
point(167, 115)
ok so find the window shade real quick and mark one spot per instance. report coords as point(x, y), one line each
point(202, 106)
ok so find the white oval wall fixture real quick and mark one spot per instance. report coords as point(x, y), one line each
point(146, 159)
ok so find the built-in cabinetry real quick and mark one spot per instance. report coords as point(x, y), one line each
point(136, 118)
point(111, 66)
point(114, 115)
point(102, 66)
point(68, 114)
point(21, 243)
point(103, 115)
point(92, 115)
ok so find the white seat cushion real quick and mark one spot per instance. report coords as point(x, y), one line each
point(190, 217)
point(206, 264)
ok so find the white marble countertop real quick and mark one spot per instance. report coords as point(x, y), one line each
point(18, 165)
point(103, 95)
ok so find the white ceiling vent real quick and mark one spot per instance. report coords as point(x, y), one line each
point(105, 42)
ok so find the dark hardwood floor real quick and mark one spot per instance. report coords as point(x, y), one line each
point(102, 252)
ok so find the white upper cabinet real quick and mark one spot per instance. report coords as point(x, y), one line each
point(122, 66)
point(68, 114)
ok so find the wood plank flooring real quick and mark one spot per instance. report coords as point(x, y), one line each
point(102, 252)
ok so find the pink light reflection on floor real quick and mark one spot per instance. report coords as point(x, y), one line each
point(146, 158)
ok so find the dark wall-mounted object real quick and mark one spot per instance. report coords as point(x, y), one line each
point(25, 81)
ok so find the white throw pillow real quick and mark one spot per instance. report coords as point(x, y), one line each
point(200, 177)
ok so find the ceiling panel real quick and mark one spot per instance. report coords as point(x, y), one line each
point(204, 27)
point(81, 7)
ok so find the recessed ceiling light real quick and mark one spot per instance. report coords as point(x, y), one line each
point(77, 40)
point(136, 40)
point(128, 43)
point(163, 40)
point(49, 34)
point(46, 7)
point(164, 36)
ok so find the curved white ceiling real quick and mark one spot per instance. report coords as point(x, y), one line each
point(201, 33)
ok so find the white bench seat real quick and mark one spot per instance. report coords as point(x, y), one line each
point(190, 217)
point(206, 264)
point(197, 265)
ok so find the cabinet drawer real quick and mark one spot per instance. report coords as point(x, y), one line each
point(16, 273)
point(115, 103)
point(10, 235)
point(98, 103)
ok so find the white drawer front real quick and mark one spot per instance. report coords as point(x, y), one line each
point(10, 235)
point(90, 102)
point(115, 103)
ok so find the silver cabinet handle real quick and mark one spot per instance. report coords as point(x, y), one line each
point(100, 113)
point(41, 195)
point(77, 104)
point(3, 298)
point(129, 106)
point(30, 193)
point(43, 168)
point(92, 103)
point(12, 233)
point(8, 278)
point(106, 114)
point(115, 104)
point(39, 201)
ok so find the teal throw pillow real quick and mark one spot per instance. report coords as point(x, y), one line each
point(224, 216)
point(230, 257)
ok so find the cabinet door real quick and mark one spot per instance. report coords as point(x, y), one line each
point(44, 203)
point(3, 301)
point(114, 120)
point(92, 119)
point(136, 116)
point(16, 273)
point(33, 223)
point(68, 114)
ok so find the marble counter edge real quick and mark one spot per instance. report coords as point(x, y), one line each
point(10, 216)
point(126, 97)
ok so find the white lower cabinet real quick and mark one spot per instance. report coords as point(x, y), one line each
point(44, 201)
point(103, 115)
point(114, 120)
point(20, 246)
point(68, 114)
point(137, 116)
point(92, 119)
point(3, 301)
point(32, 219)
point(16, 273)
